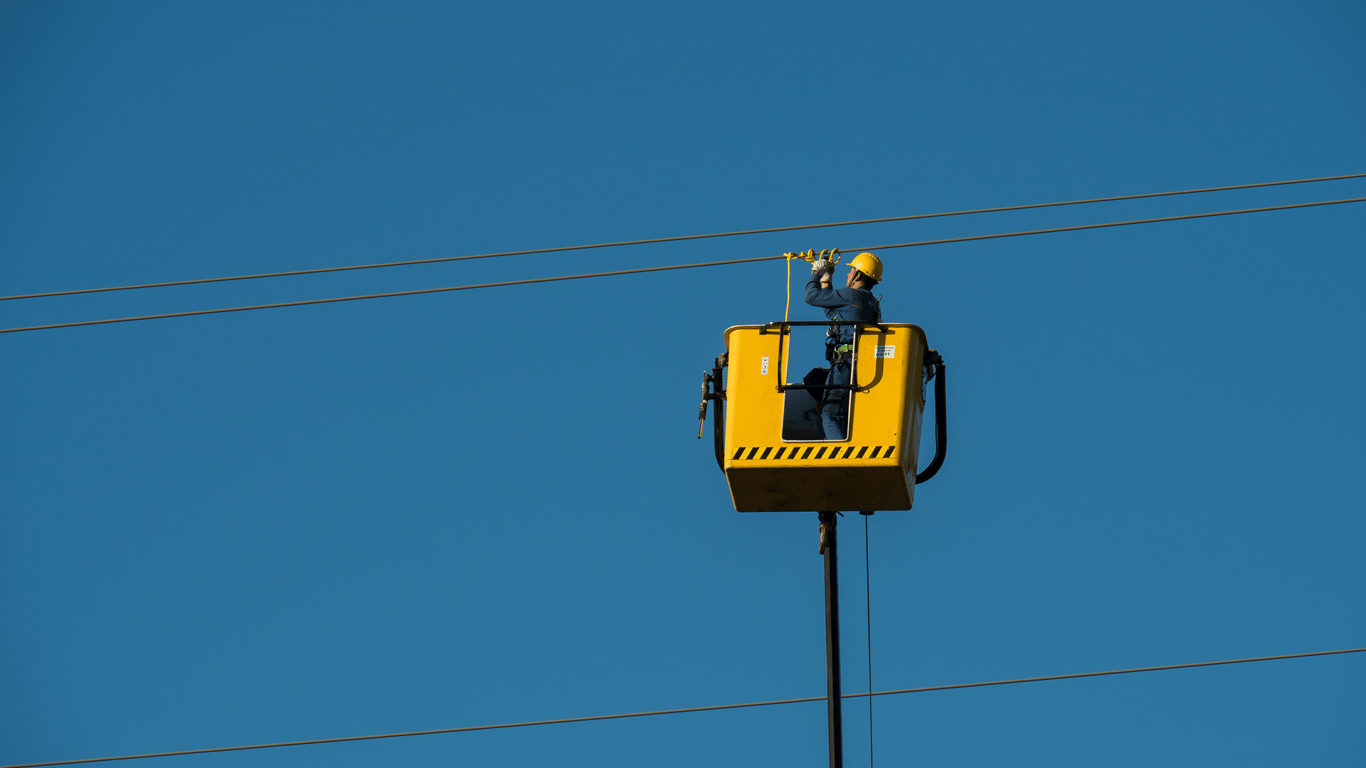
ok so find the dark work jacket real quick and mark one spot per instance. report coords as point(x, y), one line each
point(850, 305)
point(847, 304)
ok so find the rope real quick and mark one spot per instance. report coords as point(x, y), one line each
point(643, 270)
point(811, 256)
point(676, 711)
point(562, 249)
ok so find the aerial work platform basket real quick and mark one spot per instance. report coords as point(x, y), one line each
point(769, 441)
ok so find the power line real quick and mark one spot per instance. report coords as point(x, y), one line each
point(382, 295)
point(591, 718)
point(642, 270)
point(679, 238)
point(1105, 225)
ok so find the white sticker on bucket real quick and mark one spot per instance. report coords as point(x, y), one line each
point(888, 350)
point(764, 368)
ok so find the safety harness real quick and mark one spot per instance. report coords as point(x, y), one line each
point(836, 349)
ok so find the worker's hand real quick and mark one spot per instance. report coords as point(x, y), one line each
point(821, 266)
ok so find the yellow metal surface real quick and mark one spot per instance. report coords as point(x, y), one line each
point(872, 469)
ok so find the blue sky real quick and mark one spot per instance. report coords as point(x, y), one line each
point(490, 506)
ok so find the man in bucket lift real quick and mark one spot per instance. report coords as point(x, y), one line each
point(853, 303)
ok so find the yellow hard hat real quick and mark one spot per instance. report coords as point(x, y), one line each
point(868, 264)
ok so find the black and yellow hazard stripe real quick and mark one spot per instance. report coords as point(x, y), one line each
point(753, 453)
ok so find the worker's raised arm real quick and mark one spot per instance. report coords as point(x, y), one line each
point(829, 298)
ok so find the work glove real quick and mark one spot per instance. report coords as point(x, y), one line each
point(820, 266)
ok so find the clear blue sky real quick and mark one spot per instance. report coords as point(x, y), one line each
point(490, 506)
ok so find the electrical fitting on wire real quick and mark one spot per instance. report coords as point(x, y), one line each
point(823, 261)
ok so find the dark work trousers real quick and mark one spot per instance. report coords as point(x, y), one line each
point(835, 402)
point(848, 305)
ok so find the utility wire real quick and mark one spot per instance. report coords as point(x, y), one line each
point(381, 295)
point(680, 711)
point(642, 270)
point(561, 249)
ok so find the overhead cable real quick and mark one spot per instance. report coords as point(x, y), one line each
point(591, 718)
point(641, 270)
point(679, 238)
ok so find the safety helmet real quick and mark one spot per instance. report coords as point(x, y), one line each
point(868, 264)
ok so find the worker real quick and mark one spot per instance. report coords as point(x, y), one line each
point(853, 303)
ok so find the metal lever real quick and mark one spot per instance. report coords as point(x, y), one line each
point(702, 409)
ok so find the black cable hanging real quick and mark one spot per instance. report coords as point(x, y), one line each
point(868, 593)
